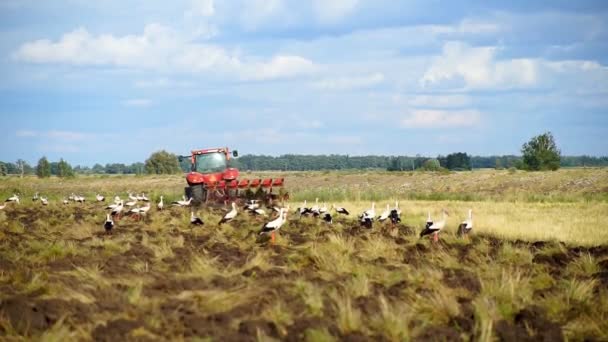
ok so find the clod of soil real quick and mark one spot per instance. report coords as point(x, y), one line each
point(530, 324)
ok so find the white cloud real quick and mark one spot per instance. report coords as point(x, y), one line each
point(162, 83)
point(467, 26)
point(461, 65)
point(345, 139)
point(436, 101)
point(256, 13)
point(280, 67)
point(26, 134)
point(204, 8)
point(66, 135)
point(426, 118)
point(159, 48)
point(137, 103)
point(329, 11)
point(348, 83)
point(55, 135)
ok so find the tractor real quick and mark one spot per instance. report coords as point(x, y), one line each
point(211, 181)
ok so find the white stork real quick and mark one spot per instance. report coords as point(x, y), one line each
point(108, 224)
point(466, 226)
point(13, 199)
point(340, 210)
point(229, 215)
point(118, 209)
point(195, 220)
point(100, 198)
point(384, 216)
point(436, 227)
point(274, 225)
point(160, 204)
point(183, 203)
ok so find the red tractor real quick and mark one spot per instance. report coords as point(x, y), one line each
point(212, 181)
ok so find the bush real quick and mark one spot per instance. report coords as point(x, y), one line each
point(162, 162)
point(431, 165)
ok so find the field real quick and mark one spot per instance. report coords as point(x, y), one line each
point(535, 267)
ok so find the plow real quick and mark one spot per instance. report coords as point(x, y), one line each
point(212, 182)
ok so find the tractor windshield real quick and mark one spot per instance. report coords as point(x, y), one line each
point(211, 162)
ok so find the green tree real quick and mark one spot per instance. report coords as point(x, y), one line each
point(3, 170)
point(162, 162)
point(431, 165)
point(541, 153)
point(458, 161)
point(43, 169)
point(64, 169)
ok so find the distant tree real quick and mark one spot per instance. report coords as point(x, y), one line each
point(458, 161)
point(498, 165)
point(162, 162)
point(54, 168)
point(395, 164)
point(98, 168)
point(541, 153)
point(43, 169)
point(3, 170)
point(136, 168)
point(64, 169)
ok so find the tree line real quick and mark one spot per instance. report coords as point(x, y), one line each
point(540, 153)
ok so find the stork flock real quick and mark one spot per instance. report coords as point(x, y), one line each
point(133, 209)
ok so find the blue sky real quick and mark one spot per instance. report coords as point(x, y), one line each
point(113, 81)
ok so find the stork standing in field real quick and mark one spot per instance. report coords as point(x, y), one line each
point(368, 216)
point(44, 200)
point(118, 209)
point(144, 210)
point(160, 204)
point(183, 203)
point(229, 215)
point(429, 221)
point(144, 197)
point(109, 224)
point(259, 212)
point(13, 199)
point(303, 210)
point(467, 225)
point(384, 216)
point(435, 228)
point(65, 201)
point(100, 198)
point(395, 214)
point(327, 218)
point(274, 225)
point(340, 210)
point(131, 203)
point(252, 205)
point(315, 208)
point(195, 220)
point(35, 198)
point(323, 209)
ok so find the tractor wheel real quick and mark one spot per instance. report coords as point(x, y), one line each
point(199, 195)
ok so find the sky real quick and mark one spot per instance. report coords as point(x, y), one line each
point(113, 81)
